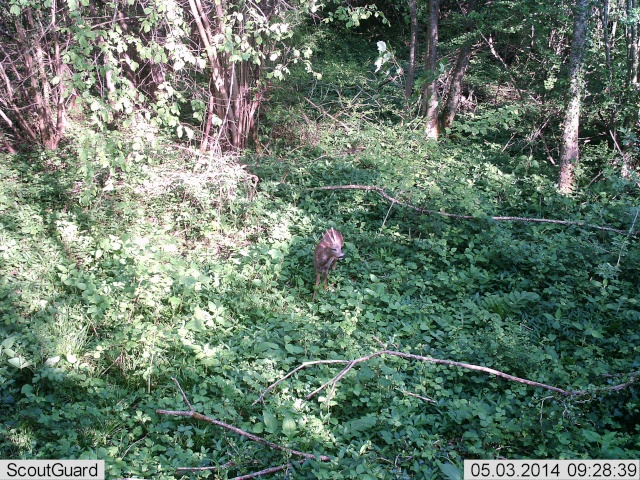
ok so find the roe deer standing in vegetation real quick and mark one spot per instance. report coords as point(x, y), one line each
point(328, 252)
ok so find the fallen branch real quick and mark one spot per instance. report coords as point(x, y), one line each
point(206, 469)
point(450, 363)
point(242, 477)
point(304, 365)
point(191, 413)
point(352, 363)
point(622, 386)
point(424, 399)
point(266, 471)
point(425, 211)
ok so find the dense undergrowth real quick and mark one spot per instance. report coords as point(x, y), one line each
point(120, 271)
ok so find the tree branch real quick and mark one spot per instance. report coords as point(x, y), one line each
point(352, 363)
point(266, 471)
point(425, 211)
point(304, 365)
point(191, 413)
point(335, 119)
point(424, 399)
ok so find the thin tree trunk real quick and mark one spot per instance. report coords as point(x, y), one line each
point(24, 126)
point(204, 145)
point(455, 85)
point(430, 92)
point(408, 88)
point(607, 39)
point(630, 115)
point(570, 151)
point(605, 33)
point(631, 35)
point(454, 88)
point(103, 56)
point(218, 91)
point(36, 67)
point(61, 111)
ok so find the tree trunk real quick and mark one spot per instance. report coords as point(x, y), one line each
point(32, 106)
point(632, 87)
point(232, 106)
point(455, 85)
point(631, 34)
point(605, 34)
point(633, 61)
point(569, 150)
point(408, 88)
point(454, 88)
point(430, 91)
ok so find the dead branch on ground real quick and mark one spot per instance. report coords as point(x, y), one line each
point(191, 413)
point(304, 365)
point(266, 471)
point(424, 211)
point(352, 363)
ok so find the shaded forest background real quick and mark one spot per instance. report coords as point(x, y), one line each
point(169, 166)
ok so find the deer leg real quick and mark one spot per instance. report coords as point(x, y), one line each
point(326, 275)
point(315, 290)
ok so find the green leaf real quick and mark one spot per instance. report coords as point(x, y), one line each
point(450, 471)
point(293, 349)
point(270, 421)
point(591, 436)
point(18, 362)
point(196, 325)
point(52, 361)
point(288, 425)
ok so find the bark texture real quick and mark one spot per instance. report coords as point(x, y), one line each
point(430, 91)
point(408, 88)
point(454, 87)
point(570, 150)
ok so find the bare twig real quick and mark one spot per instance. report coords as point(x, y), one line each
point(594, 179)
point(335, 119)
point(206, 469)
point(191, 413)
point(547, 149)
point(451, 363)
point(626, 239)
point(129, 447)
point(233, 464)
point(489, 41)
point(425, 211)
point(304, 365)
point(338, 377)
point(424, 399)
point(266, 471)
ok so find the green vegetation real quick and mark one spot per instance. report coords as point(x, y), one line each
point(127, 259)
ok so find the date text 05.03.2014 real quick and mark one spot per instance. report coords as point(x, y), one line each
point(551, 469)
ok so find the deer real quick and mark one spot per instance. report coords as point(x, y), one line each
point(328, 252)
